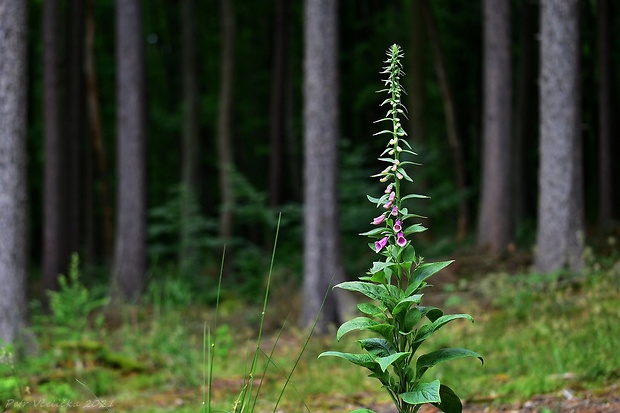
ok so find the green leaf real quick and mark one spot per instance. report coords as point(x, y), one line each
point(370, 309)
point(424, 271)
point(357, 323)
point(384, 330)
point(378, 277)
point(414, 196)
point(432, 313)
point(364, 360)
point(411, 319)
point(443, 320)
point(380, 266)
point(408, 254)
point(387, 361)
point(362, 411)
point(423, 333)
point(380, 200)
point(375, 232)
point(433, 358)
point(378, 347)
point(407, 177)
point(406, 303)
point(450, 402)
point(413, 229)
point(423, 393)
point(370, 290)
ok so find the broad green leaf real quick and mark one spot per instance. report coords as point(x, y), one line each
point(411, 319)
point(357, 323)
point(413, 229)
point(380, 266)
point(364, 360)
point(424, 271)
point(387, 361)
point(450, 402)
point(443, 320)
point(378, 347)
point(432, 313)
point(423, 393)
point(362, 411)
point(384, 329)
point(370, 309)
point(408, 254)
point(370, 290)
point(433, 358)
point(423, 333)
point(406, 303)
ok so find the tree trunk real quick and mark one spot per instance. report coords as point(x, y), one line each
point(13, 185)
point(277, 115)
point(76, 103)
point(560, 209)
point(526, 114)
point(130, 260)
point(224, 135)
point(322, 259)
point(191, 145)
point(454, 141)
point(55, 218)
point(605, 203)
point(495, 215)
point(96, 130)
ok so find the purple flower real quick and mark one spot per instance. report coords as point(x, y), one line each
point(392, 196)
point(398, 226)
point(401, 241)
point(378, 220)
point(388, 189)
point(387, 205)
point(379, 245)
point(394, 211)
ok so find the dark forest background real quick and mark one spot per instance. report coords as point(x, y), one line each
point(193, 49)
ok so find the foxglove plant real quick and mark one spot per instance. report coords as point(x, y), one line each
point(395, 283)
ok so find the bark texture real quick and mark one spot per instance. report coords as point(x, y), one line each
point(495, 219)
point(322, 259)
point(560, 209)
point(130, 260)
point(13, 205)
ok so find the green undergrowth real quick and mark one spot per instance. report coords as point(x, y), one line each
point(539, 334)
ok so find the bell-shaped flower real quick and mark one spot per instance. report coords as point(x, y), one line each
point(378, 220)
point(394, 211)
point(387, 205)
point(379, 245)
point(400, 240)
point(398, 226)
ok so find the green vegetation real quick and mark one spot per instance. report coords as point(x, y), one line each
point(538, 335)
point(395, 285)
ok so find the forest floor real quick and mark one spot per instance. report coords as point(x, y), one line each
point(549, 347)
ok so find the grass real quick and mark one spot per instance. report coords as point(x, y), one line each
point(537, 334)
